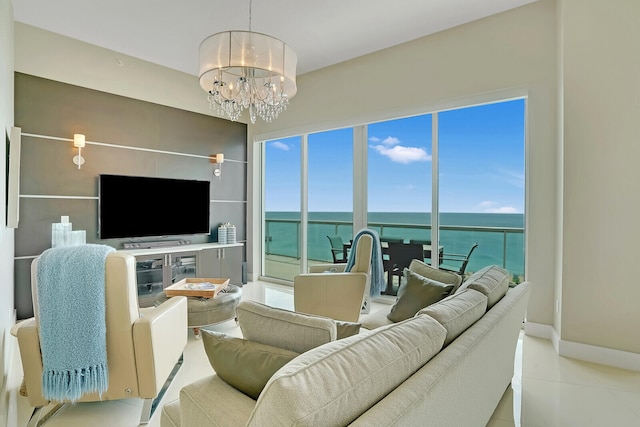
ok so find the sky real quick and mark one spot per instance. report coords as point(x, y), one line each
point(481, 164)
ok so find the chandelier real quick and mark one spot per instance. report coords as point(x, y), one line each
point(243, 70)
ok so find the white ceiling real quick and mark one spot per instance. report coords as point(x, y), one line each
point(322, 32)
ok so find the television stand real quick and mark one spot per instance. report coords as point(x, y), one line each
point(156, 244)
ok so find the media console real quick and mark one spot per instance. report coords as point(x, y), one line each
point(161, 266)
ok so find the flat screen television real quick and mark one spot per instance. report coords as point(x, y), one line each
point(137, 206)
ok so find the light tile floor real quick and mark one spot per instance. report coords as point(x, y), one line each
point(547, 390)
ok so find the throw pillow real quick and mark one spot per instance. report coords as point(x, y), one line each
point(346, 329)
point(244, 365)
point(423, 269)
point(416, 292)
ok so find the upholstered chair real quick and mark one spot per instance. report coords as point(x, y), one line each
point(144, 346)
point(328, 290)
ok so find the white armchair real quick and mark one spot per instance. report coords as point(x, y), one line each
point(143, 346)
point(328, 290)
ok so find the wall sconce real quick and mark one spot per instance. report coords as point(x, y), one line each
point(78, 141)
point(218, 159)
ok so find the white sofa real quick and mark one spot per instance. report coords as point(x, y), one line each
point(394, 375)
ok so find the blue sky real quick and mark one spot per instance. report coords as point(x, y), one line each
point(481, 151)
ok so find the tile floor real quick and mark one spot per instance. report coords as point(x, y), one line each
point(547, 390)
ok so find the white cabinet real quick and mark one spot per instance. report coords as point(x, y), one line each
point(158, 268)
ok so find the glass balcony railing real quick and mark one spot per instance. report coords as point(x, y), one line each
point(503, 246)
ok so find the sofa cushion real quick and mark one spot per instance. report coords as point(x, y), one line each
point(244, 365)
point(416, 292)
point(377, 319)
point(492, 281)
point(335, 383)
point(283, 328)
point(423, 269)
point(457, 312)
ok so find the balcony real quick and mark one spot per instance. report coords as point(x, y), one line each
point(503, 246)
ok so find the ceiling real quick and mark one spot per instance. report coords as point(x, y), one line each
point(322, 33)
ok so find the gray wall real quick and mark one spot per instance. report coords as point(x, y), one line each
point(124, 136)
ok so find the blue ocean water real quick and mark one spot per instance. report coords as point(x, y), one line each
point(500, 237)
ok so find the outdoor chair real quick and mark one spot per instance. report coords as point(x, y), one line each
point(337, 249)
point(400, 256)
point(457, 263)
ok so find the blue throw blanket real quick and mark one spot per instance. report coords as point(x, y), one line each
point(71, 308)
point(377, 269)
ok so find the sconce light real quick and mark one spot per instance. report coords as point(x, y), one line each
point(78, 141)
point(218, 159)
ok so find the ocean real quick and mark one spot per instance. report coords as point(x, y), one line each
point(500, 237)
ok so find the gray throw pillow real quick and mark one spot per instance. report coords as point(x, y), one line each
point(346, 329)
point(244, 365)
point(423, 269)
point(416, 292)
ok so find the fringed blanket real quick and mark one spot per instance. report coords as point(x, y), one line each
point(377, 269)
point(71, 309)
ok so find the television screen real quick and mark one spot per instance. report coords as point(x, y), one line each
point(136, 206)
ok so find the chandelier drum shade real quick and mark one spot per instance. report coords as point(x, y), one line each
point(247, 70)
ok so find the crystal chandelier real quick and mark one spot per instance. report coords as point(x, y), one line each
point(246, 70)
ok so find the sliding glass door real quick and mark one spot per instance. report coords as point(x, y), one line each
point(481, 184)
point(447, 180)
point(330, 194)
point(282, 234)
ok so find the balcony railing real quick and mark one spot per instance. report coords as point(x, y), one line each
point(503, 246)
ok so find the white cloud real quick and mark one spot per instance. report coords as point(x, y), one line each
point(391, 140)
point(402, 154)
point(280, 145)
point(390, 147)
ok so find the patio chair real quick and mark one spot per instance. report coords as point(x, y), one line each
point(457, 263)
point(337, 249)
point(400, 256)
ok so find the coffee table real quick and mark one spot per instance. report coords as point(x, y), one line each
point(203, 311)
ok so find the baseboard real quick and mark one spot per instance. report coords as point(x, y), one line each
point(601, 355)
point(586, 352)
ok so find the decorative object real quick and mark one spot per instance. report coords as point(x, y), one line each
point(246, 70)
point(78, 141)
point(226, 233)
point(62, 234)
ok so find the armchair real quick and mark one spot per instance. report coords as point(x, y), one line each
point(144, 346)
point(328, 290)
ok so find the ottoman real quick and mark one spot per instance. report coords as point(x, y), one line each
point(208, 311)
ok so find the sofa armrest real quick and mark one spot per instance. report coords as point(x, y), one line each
point(335, 295)
point(159, 337)
point(283, 328)
point(323, 268)
point(26, 332)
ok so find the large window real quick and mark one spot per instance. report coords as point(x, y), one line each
point(282, 208)
point(465, 165)
point(399, 178)
point(330, 192)
point(481, 183)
